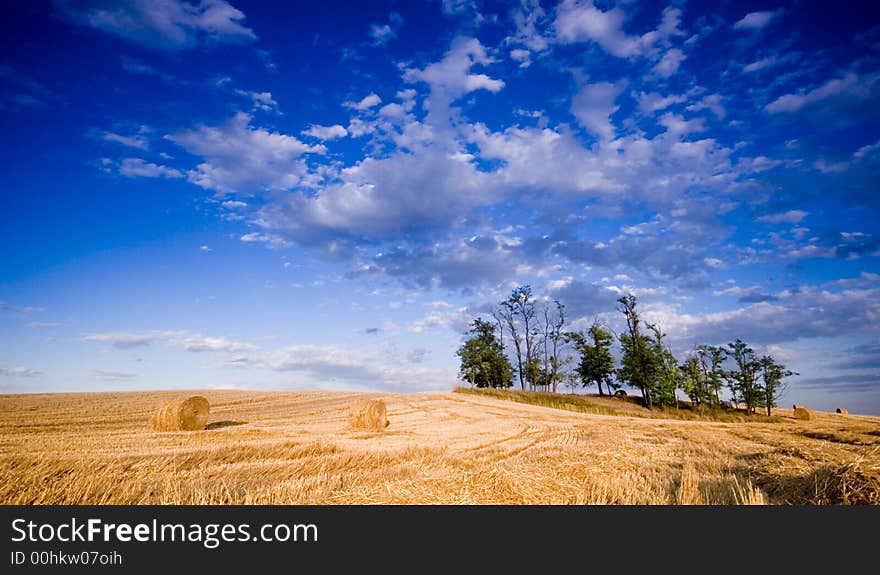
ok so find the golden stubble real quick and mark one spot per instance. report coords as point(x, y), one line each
point(440, 448)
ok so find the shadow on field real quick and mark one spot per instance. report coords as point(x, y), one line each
point(222, 424)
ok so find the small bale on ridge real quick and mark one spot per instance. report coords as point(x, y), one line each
point(190, 414)
point(368, 414)
point(842, 411)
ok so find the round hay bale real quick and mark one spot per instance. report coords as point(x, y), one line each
point(842, 411)
point(619, 393)
point(188, 414)
point(368, 414)
point(803, 413)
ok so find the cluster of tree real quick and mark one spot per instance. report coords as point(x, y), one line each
point(541, 356)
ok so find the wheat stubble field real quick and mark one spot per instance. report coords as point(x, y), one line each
point(440, 448)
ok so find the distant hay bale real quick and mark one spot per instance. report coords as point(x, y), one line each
point(188, 414)
point(368, 414)
point(842, 411)
point(619, 393)
point(802, 413)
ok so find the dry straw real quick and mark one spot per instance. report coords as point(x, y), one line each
point(368, 414)
point(802, 413)
point(189, 414)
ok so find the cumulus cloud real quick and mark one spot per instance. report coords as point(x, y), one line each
point(18, 371)
point(21, 310)
point(105, 375)
point(712, 102)
point(137, 140)
point(669, 63)
point(850, 85)
point(261, 100)
point(756, 20)
point(761, 64)
point(794, 314)
point(452, 78)
point(593, 106)
point(384, 33)
point(652, 102)
point(180, 339)
point(166, 25)
point(789, 217)
point(522, 57)
point(368, 369)
point(325, 133)
point(581, 20)
point(139, 168)
point(365, 103)
point(240, 157)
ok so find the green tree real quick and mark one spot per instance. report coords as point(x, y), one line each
point(596, 365)
point(703, 375)
point(773, 387)
point(667, 375)
point(694, 381)
point(743, 381)
point(637, 366)
point(552, 340)
point(483, 363)
point(712, 362)
point(518, 313)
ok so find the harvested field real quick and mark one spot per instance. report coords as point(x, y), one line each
point(441, 448)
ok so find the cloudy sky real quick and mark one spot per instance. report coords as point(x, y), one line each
point(243, 194)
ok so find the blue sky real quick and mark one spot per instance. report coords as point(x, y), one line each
point(300, 195)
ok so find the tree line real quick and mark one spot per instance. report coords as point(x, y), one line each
point(525, 342)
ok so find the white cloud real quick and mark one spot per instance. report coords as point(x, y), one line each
point(850, 84)
point(669, 63)
point(138, 168)
point(138, 140)
point(18, 371)
point(653, 102)
point(384, 33)
point(105, 375)
point(756, 20)
point(761, 64)
point(44, 324)
point(271, 240)
point(180, 339)
point(18, 309)
point(380, 368)
point(523, 57)
point(326, 133)
point(451, 77)
point(711, 102)
point(593, 106)
point(239, 157)
point(365, 103)
point(167, 25)
point(789, 217)
point(261, 100)
point(676, 125)
point(866, 152)
point(580, 20)
point(457, 6)
point(529, 18)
